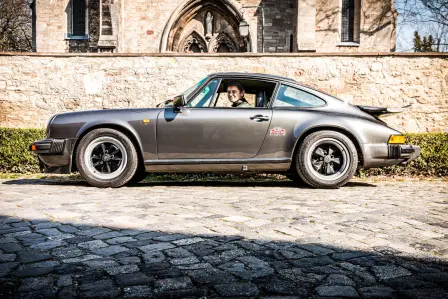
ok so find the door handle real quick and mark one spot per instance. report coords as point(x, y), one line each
point(259, 118)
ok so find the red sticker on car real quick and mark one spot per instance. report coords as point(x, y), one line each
point(278, 132)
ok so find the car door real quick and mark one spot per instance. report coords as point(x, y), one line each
point(204, 132)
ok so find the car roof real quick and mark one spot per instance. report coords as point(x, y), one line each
point(253, 75)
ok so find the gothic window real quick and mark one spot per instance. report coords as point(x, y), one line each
point(350, 21)
point(224, 43)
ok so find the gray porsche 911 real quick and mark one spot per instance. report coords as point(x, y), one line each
point(227, 122)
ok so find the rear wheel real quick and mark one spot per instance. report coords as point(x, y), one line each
point(326, 159)
point(106, 158)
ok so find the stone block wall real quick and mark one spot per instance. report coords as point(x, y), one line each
point(35, 86)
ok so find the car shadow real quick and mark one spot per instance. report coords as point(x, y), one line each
point(210, 183)
point(52, 259)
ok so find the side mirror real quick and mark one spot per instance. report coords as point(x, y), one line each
point(178, 102)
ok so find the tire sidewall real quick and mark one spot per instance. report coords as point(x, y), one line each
point(129, 170)
point(304, 168)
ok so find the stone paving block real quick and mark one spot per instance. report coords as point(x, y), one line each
point(377, 292)
point(108, 235)
point(388, 272)
point(188, 241)
point(8, 240)
point(194, 266)
point(14, 235)
point(118, 270)
point(285, 287)
point(224, 256)
point(156, 247)
point(133, 279)
point(5, 268)
point(61, 237)
point(91, 245)
point(7, 257)
point(343, 256)
point(68, 229)
point(34, 241)
point(337, 291)
point(154, 257)
point(120, 240)
point(178, 253)
point(82, 258)
point(130, 232)
point(138, 292)
point(64, 280)
point(317, 250)
point(13, 230)
point(338, 280)
point(110, 250)
point(21, 224)
point(169, 238)
point(10, 247)
point(239, 289)
point(129, 260)
point(312, 262)
point(35, 284)
point(30, 236)
point(77, 240)
point(93, 231)
point(33, 272)
point(424, 294)
point(43, 225)
point(67, 252)
point(237, 219)
point(436, 277)
point(147, 235)
point(170, 284)
point(100, 263)
point(48, 245)
point(32, 256)
point(42, 264)
point(184, 261)
point(49, 232)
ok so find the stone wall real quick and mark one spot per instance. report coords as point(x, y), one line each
point(33, 87)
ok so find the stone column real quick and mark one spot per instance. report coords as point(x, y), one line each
point(306, 25)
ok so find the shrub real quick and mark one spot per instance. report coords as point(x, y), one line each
point(15, 155)
point(14, 150)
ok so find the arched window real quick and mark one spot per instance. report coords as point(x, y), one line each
point(350, 21)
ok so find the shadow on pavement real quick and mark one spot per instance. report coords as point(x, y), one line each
point(211, 183)
point(44, 259)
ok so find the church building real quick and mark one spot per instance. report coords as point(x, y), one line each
point(213, 26)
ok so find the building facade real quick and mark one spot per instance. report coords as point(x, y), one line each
point(213, 26)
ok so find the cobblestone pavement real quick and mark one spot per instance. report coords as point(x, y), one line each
point(368, 240)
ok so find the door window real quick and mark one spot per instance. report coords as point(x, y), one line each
point(206, 95)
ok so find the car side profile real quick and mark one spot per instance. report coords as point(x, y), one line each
point(284, 127)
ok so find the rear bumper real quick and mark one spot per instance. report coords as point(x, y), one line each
point(55, 155)
point(381, 155)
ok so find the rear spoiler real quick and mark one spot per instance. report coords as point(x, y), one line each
point(378, 111)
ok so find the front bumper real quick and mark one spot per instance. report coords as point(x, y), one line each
point(55, 155)
point(381, 155)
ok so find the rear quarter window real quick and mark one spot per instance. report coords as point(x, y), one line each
point(293, 97)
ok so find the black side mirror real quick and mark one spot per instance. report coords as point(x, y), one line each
point(178, 102)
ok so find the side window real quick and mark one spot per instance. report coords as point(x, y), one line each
point(206, 95)
point(293, 97)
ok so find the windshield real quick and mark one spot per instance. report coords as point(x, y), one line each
point(191, 89)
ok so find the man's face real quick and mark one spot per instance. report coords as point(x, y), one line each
point(234, 94)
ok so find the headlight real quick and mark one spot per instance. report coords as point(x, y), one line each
point(47, 132)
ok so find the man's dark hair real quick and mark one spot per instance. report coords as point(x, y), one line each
point(238, 85)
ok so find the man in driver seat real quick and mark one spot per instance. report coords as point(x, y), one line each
point(235, 93)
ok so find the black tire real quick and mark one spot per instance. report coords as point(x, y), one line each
point(326, 159)
point(139, 176)
point(106, 158)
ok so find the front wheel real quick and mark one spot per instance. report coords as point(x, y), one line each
point(326, 159)
point(106, 158)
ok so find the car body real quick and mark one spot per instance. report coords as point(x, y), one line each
point(290, 128)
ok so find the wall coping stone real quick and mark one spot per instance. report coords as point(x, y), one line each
point(249, 55)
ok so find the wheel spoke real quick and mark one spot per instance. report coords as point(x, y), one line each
point(96, 164)
point(336, 160)
point(320, 152)
point(317, 165)
point(116, 159)
point(330, 151)
point(329, 169)
point(96, 157)
point(108, 168)
point(103, 147)
point(115, 151)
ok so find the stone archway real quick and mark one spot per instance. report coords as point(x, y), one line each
point(195, 22)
